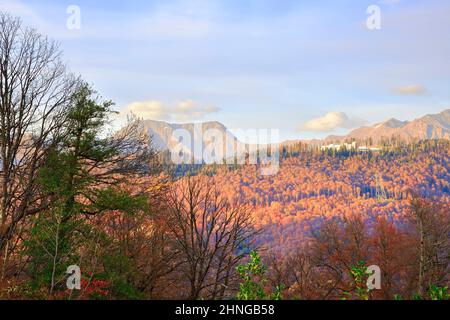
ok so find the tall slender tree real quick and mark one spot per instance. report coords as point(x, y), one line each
point(83, 175)
point(35, 91)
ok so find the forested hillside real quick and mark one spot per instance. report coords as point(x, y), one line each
point(314, 186)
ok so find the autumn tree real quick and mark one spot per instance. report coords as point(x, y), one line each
point(212, 234)
point(140, 257)
point(338, 246)
point(431, 222)
point(391, 250)
point(35, 92)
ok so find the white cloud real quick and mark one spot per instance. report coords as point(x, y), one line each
point(147, 110)
point(185, 110)
point(413, 90)
point(330, 122)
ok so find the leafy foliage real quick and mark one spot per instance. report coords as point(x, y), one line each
point(438, 293)
point(254, 281)
point(359, 274)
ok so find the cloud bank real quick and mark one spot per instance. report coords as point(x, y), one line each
point(331, 121)
point(412, 90)
point(186, 110)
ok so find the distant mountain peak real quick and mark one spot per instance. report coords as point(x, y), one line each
point(432, 126)
point(164, 138)
point(392, 123)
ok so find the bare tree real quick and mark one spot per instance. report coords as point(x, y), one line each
point(431, 221)
point(211, 233)
point(144, 239)
point(35, 90)
point(338, 246)
point(295, 272)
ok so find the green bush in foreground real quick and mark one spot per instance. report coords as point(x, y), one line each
point(254, 280)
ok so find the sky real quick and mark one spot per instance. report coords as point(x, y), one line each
point(307, 68)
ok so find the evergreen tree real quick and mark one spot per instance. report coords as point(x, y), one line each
point(81, 176)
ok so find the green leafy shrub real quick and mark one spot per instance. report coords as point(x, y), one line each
point(254, 281)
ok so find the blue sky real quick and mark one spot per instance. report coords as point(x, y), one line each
point(309, 68)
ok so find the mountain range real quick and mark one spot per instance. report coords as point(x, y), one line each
point(431, 126)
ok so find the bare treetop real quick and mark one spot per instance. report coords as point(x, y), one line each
point(35, 89)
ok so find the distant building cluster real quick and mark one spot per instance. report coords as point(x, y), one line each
point(349, 146)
